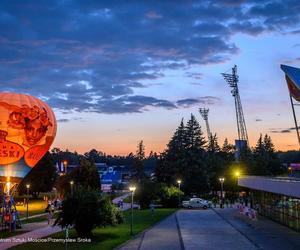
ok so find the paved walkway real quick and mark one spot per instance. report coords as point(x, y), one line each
point(204, 229)
point(40, 230)
point(263, 233)
point(162, 236)
point(215, 229)
point(125, 206)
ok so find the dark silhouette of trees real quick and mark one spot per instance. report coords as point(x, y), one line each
point(137, 168)
point(184, 159)
point(266, 161)
point(200, 164)
point(41, 178)
point(85, 176)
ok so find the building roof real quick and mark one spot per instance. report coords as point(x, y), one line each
point(288, 186)
point(292, 76)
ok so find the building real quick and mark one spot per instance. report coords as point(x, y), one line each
point(277, 198)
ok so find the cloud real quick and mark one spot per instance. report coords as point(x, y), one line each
point(93, 55)
point(283, 131)
point(208, 100)
point(63, 120)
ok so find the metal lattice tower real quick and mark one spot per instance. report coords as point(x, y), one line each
point(232, 80)
point(204, 114)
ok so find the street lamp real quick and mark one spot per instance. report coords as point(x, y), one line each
point(237, 175)
point(65, 162)
point(131, 189)
point(27, 187)
point(222, 179)
point(179, 182)
point(71, 183)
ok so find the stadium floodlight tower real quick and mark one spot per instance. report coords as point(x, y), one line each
point(204, 114)
point(292, 77)
point(232, 79)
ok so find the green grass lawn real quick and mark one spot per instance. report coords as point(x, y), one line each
point(106, 238)
point(5, 233)
point(34, 207)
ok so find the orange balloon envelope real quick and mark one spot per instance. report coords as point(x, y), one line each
point(27, 130)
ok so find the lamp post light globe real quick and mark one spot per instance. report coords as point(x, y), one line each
point(131, 189)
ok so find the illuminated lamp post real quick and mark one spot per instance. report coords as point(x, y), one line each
point(132, 190)
point(65, 162)
point(222, 179)
point(27, 200)
point(179, 183)
point(237, 175)
point(72, 184)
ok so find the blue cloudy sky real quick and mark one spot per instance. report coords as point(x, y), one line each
point(116, 72)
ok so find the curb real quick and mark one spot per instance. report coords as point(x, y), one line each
point(179, 232)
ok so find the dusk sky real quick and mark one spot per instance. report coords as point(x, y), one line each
point(116, 72)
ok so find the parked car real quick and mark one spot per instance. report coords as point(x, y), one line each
point(196, 203)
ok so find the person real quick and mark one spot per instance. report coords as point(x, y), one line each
point(246, 201)
point(231, 201)
point(214, 201)
point(152, 208)
point(14, 220)
point(227, 202)
point(49, 211)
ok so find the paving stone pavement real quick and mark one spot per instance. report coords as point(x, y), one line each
point(162, 236)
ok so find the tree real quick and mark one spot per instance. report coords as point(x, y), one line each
point(184, 158)
point(194, 165)
point(170, 163)
point(146, 192)
point(41, 178)
point(213, 146)
point(194, 139)
point(86, 176)
point(138, 164)
point(87, 209)
point(95, 156)
point(265, 159)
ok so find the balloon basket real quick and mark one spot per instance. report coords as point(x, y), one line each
point(10, 219)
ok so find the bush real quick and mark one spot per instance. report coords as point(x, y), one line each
point(169, 195)
point(87, 209)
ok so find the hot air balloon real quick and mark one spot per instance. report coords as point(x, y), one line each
point(27, 130)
